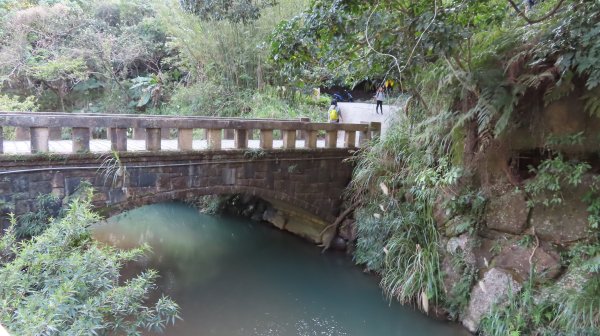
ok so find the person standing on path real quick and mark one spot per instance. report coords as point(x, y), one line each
point(334, 114)
point(379, 96)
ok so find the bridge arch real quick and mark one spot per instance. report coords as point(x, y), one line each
point(304, 186)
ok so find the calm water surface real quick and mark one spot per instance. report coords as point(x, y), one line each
point(233, 277)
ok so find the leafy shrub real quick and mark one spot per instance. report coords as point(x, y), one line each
point(62, 282)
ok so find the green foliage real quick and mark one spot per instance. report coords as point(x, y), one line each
point(243, 11)
point(34, 223)
point(551, 176)
point(397, 235)
point(460, 294)
point(209, 204)
point(12, 103)
point(62, 282)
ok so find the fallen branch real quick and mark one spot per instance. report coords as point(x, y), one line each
point(337, 223)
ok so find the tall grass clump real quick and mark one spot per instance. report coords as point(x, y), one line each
point(397, 236)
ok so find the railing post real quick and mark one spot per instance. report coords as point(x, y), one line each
point(39, 139)
point(1, 141)
point(185, 139)
point(375, 128)
point(302, 134)
point(312, 140)
point(289, 139)
point(153, 139)
point(241, 138)
point(350, 139)
point(331, 139)
point(213, 138)
point(266, 138)
point(365, 135)
point(118, 139)
point(81, 139)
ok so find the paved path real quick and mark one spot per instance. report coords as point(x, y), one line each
point(354, 113)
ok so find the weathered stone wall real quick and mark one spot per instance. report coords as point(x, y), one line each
point(307, 184)
point(517, 233)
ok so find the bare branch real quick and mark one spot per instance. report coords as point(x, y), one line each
point(532, 21)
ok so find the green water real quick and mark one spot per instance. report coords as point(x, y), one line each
point(233, 277)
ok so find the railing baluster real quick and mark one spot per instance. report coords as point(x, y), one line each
point(80, 139)
point(364, 136)
point(312, 139)
point(118, 139)
point(350, 139)
point(39, 139)
point(213, 138)
point(241, 138)
point(266, 138)
point(1, 141)
point(153, 139)
point(331, 139)
point(289, 139)
point(375, 128)
point(185, 139)
point(303, 134)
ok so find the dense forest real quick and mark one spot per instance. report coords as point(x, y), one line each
point(487, 177)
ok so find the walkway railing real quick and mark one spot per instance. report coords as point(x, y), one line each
point(120, 128)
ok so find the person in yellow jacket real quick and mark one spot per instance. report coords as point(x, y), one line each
point(334, 115)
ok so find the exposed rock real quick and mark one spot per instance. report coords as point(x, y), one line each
point(338, 243)
point(487, 249)
point(441, 213)
point(490, 290)
point(465, 244)
point(450, 274)
point(275, 217)
point(507, 212)
point(572, 281)
point(457, 226)
point(564, 222)
point(348, 230)
point(516, 258)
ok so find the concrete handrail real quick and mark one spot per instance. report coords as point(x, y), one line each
point(117, 125)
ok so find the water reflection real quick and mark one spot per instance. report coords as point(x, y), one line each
point(233, 277)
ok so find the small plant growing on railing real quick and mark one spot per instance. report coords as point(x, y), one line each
point(113, 169)
point(254, 153)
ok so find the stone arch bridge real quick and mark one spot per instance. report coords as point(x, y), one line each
point(299, 167)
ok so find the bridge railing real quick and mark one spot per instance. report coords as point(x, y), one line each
point(118, 126)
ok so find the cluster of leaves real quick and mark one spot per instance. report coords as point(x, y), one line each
point(460, 293)
point(64, 282)
point(34, 223)
point(551, 176)
point(233, 10)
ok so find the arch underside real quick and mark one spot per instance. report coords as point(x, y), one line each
point(301, 217)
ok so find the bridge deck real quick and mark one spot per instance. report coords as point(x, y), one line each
point(103, 145)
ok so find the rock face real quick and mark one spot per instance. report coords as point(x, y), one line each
point(348, 230)
point(463, 243)
point(490, 290)
point(564, 222)
point(275, 217)
point(507, 213)
point(516, 258)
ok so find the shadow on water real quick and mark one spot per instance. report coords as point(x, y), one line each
point(234, 277)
